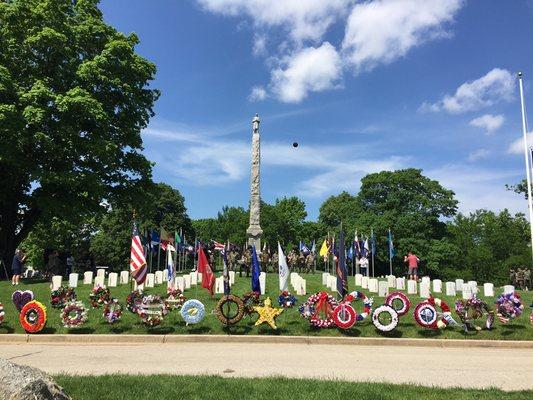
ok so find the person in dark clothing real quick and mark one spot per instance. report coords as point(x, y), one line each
point(18, 260)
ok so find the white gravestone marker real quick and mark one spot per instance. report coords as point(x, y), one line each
point(262, 282)
point(302, 287)
point(193, 278)
point(411, 286)
point(124, 277)
point(373, 285)
point(73, 280)
point(358, 279)
point(364, 282)
point(334, 284)
point(507, 289)
point(459, 285)
point(400, 283)
point(100, 272)
point(325, 278)
point(179, 283)
point(467, 292)
point(138, 287)
point(424, 289)
point(231, 277)
point(159, 277)
point(87, 277)
point(219, 285)
point(199, 277)
point(292, 277)
point(426, 279)
point(450, 288)
point(383, 288)
point(488, 289)
point(56, 281)
point(437, 286)
point(150, 280)
point(187, 280)
point(112, 279)
point(473, 286)
point(99, 281)
point(391, 281)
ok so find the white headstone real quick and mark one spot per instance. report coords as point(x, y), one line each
point(100, 272)
point(473, 286)
point(87, 277)
point(231, 277)
point(73, 280)
point(459, 285)
point(437, 286)
point(411, 286)
point(426, 279)
point(262, 282)
point(199, 277)
point(358, 279)
point(292, 276)
point(467, 292)
point(383, 288)
point(187, 280)
point(391, 281)
point(99, 281)
point(302, 287)
point(138, 287)
point(334, 284)
point(56, 281)
point(400, 283)
point(158, 280)
point(364, 282)
point(179, 283)
point(219, 285)
point(165, 276)
point(112, 279)
point(330, 281)
point(325, 278)
point(508, 289)
point(373, 285)
point(488, 289)
point(450, 288)
point(124, 277)
point(193, 278)
point(150, 280)
point(424, 289)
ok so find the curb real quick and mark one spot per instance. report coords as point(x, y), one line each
point(309, 340)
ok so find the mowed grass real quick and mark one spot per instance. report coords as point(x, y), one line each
point(289, 323)
point(163, 387)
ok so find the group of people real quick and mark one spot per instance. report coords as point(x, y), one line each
point(521, 278)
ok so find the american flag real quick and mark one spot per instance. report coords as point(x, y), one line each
point(218, 246)
point(137, 260)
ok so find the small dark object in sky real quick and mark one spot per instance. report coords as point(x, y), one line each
point(295, 144)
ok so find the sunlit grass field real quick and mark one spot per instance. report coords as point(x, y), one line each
point(289, 323)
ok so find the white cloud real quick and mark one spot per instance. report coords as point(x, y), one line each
point(490, 123)
point(258, 94)
point(309, 70)
point(260, 44)
point(303, 19)
point(380, 31)
point(517, 146)
point(479, 154)
point(497, 85)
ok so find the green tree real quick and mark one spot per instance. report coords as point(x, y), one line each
point(74, 98)
point(343, 208)
point(283, 221)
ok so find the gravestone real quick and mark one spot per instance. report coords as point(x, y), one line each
point(358, 279)
point(112, 279)
point(262, 282)
point(179, 283)
point(391, 281)
point(158, 280)
point(219, 285)
point(400, 283)
point(100, 272)
point(187, 280)
point(325, 278)
point(373, 285)
point(450, 288)
point(473, 286)
point(508, 289)
point(73, 280)
point(231, 277)
point(56, 282)
point(199, 277)
point(150, 280)
point(364, 282)
point(424, 289)
point(330, 281)
point(383, 288)
point(302, 287)
point(124, 277)
point(193, 278)
point(99, 281)
point(437, 286)
point(333, 284)
point(88, 277)
point(411, 286)
point(292, 276)
point(488, 289)
point(467, 292)
point(138, 287)
point(459, 285)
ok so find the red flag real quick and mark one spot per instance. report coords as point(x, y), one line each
point(208, 278)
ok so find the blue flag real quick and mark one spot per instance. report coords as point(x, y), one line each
point(256, 271)
point(392, 250)
point(350, 253)
point(154, 240)
point(373, 243)
point(342, 273)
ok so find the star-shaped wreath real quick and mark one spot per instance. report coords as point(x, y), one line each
point(267, 313)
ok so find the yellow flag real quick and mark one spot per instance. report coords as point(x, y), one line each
point(324, 249)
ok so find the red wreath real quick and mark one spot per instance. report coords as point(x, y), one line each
point(344, 315)
point(324, 304)
point(33, 317)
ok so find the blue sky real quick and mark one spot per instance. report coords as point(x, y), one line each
point(362, 86)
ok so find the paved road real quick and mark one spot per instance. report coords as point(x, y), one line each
point(508, 369)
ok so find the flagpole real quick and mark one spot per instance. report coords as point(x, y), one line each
point(372, 248)
point(526, 157)
point(390, 253)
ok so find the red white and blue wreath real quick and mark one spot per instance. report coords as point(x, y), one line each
point(74, 314)
point(286, 299)
point(471, 310)
point(345, 315)
point(133, 301)
point(2, 313)
point(318, 309)
point(509, 306)
point(112, 311)
point(400, 302)
point(427, 316)
point(174, 299)
point(152, 310)
point(99, 296)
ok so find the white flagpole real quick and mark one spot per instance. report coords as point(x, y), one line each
point(526, 158)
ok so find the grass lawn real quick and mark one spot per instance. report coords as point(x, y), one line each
point(289, 323)
point(162, 387)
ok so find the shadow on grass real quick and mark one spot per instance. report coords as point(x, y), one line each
point(430, 333)
point(49, 329)
point(7, 328)
point(80, 331)
point(392, 334)
point(237, 329)
point(161, 330)
point(198, 329)
point(352, 332)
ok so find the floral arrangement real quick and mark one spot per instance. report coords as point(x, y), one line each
point(74, 314)
point(427, 316)
point(174, 299)
point(393, 316)
point(509, 306)
point(2, 313)
point(61, 296)
point(367, 303)
point(471, 310)
point(99, 296)
point(251, 300)
point(344, 315)
point(223, 310)
point(319, 309)
point(399, 297)
point(112, 311)
point(152, 310)
point(33, 317)
point(21, 298)
point(286, 299)
point(133, 301)
point(192, 312)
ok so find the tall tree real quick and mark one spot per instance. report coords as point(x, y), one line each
point(74, 97)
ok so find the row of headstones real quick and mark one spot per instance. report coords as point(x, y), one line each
point(298, 283)
point(219, 282)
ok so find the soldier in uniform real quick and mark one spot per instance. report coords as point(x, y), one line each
point(246, 262)
point(301, 261)
point(292, 259)
point(232, 257)
point(512, 277)
point(264, 258)
point(274, 260)
point(310, 262)
point(527, 278)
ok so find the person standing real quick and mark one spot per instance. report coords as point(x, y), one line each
point(363, 265)
point(18, 260)
point(412, 260)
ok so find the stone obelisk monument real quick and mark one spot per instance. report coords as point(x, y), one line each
point(254, 231)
